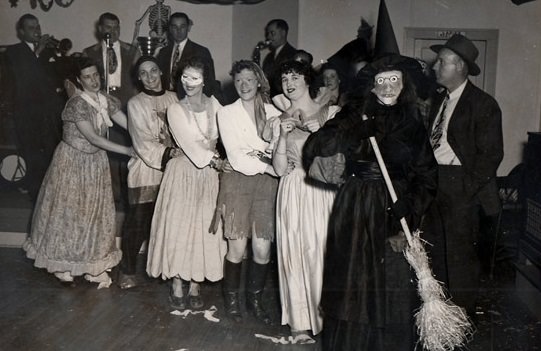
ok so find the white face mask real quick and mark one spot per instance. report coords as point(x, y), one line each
point(191, 78)
point(388, 86)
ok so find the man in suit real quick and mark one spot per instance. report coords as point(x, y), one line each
point(121, 58)
point(280, 50)
point(180, 49)
point(465, 130)
point(37, 105)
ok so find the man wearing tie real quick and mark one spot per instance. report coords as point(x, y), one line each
point(121, 58)
point(466, 136)
point(179, 49)
point(36, 105)
point(280, 50)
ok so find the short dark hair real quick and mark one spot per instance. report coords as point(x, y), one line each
point(197, 63)
point(291, 66)
point(305, 53)
point(26, 16)
point(77, 65)
point(279, 23)
point(181, 15)
point(108, 16)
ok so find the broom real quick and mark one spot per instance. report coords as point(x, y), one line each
point(441, 324)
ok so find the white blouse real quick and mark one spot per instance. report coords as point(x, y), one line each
point(239, 136)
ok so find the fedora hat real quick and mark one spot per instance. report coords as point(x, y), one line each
point(464, 48)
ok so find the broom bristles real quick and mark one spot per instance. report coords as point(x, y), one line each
point(441, 324)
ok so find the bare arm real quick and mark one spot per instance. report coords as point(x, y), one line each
point(279, 158)
point(120, 118)
point(86, 128)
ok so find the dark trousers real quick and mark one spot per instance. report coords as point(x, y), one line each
point(38, 135)
point(136, 230)
point(119, 167)
point(451, 226)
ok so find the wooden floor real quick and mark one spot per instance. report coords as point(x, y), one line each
point(38, 313)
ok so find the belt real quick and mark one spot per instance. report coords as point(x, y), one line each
point(114, 88)
point(371, 170)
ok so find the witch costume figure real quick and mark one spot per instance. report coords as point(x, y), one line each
point(368, 296)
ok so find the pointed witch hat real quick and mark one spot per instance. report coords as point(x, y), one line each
point(385, 38)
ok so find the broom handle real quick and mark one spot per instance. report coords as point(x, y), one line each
point(389, 184)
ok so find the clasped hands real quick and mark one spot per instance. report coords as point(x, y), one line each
point(298, 119)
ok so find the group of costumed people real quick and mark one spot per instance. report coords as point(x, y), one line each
point(305, 177)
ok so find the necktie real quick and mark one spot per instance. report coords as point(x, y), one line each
point(112, 60)
point(437, 132)
point(175, 66)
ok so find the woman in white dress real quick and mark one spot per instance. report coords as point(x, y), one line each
point(180, 246)
point(247, 197)
point(303, 207)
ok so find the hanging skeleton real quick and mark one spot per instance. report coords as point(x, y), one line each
point(158, 15)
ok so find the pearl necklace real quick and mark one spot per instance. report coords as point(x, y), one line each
point(207, 137)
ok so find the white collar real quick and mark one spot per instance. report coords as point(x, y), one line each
point(455, 94)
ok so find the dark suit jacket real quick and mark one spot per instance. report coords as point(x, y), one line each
point(271, 67)
point(36, 106)
point(475, 135)
point(191, 49)
point(129, 56)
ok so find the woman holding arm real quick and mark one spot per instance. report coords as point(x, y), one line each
point(180, 246)
point(248, 193)
point(154, 146)
point(73, 226)
point(303, 207)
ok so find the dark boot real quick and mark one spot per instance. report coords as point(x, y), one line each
point(257, 274)
point(230, 285)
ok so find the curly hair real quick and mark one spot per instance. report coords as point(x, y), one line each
point(264, 87)
point(303, 69)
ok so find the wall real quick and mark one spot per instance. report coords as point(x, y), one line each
point(518, 80)
point(324, 26)
point(77, 22)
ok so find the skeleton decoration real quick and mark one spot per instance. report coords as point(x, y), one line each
point(158, 15)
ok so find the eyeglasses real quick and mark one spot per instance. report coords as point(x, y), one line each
point(391, 79)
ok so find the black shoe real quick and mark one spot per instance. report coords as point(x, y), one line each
point(232, 306)
point(178, 303)
point(196, 302)
point(255, 307)
point(127, 281)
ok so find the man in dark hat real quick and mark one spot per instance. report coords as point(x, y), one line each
point(465, 130)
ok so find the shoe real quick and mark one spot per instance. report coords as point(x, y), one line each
point(255, 307)
point(302, 338)
point(178, 303)
point(65, 279)
point(196, 302)
point(126, 281)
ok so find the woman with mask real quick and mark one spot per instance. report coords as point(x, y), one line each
point(181, 247)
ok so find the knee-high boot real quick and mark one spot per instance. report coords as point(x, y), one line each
point(230, 285)
point(257, 274)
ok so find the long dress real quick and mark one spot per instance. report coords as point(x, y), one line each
point(303, 210)
point(180, 243)
point(73, 226)
point(368, 293)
